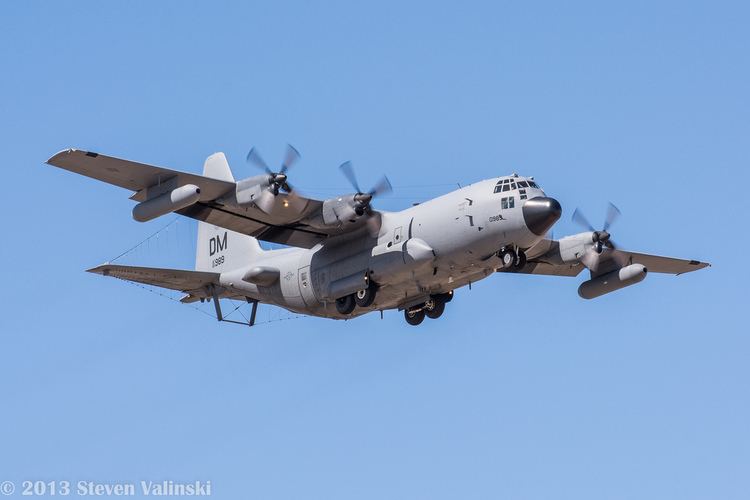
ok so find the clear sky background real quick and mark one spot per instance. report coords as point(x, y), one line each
point(522, 390)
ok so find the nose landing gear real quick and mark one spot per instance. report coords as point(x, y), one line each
point(512, 258)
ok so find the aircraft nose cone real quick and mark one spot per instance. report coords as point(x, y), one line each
point(540, 214)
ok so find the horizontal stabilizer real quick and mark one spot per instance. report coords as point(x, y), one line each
point(173, 279)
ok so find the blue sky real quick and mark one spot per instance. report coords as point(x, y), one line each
point(522, 390)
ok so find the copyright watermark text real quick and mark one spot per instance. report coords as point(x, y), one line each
point(85, 488)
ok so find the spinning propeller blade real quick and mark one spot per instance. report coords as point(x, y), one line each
point(602, 238)
point(348, 170)
point(276, 180)
point(381, 188)
point(254, 158)
point(291, 157)
point(612, 214)
point(581, 220)
point(363, 200)
point(266, 200)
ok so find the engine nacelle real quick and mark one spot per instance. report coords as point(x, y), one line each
point(177, 199)
point(568, 249)
point(341, 210)
point(573, 247)
point(606, 283)
point(249, 190)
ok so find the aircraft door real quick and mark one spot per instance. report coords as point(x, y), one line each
point(306, 287)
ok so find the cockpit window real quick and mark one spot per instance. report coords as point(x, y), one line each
point(511, 185)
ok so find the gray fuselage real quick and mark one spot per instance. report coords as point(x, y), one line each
point(430, 248)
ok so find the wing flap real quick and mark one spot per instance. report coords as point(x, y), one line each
point(546, 269)
point(294, 234)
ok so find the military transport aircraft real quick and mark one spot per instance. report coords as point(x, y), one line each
point(343, 258)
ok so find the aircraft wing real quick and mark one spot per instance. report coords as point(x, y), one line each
point(285, 223)
point(614, 259)
point(173, 279)
point(544, 259)
point(133, 175)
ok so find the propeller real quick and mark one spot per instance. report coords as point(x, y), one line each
point(363, 199)
point(276, 180)
point(602, 238)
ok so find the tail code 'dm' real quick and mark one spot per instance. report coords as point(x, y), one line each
point(217, 244)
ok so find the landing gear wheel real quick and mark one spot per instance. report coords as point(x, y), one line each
point(520, 260)
point(434, 308)
point(365, 297)
point(414, 317)
point(345, 305)
point(507, 257)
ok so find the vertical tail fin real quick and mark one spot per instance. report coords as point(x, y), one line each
point(218, 249)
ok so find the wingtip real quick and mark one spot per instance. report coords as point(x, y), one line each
point(698, 266)
point(102, 269)
point(59, 154)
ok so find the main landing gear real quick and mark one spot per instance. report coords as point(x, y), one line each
point(432, 308)
point(362, 298)
point(345, 305)
point(511, 258)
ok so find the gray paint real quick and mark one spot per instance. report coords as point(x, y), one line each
point(431, 248)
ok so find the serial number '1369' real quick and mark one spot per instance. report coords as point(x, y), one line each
point(217, 261)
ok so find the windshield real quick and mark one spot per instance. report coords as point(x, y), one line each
point(504, 185)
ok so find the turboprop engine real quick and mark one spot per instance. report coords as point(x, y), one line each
point(171, 201)
point(615, 280)
point(340, 210)
point(349, 208)
point(569, 249)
